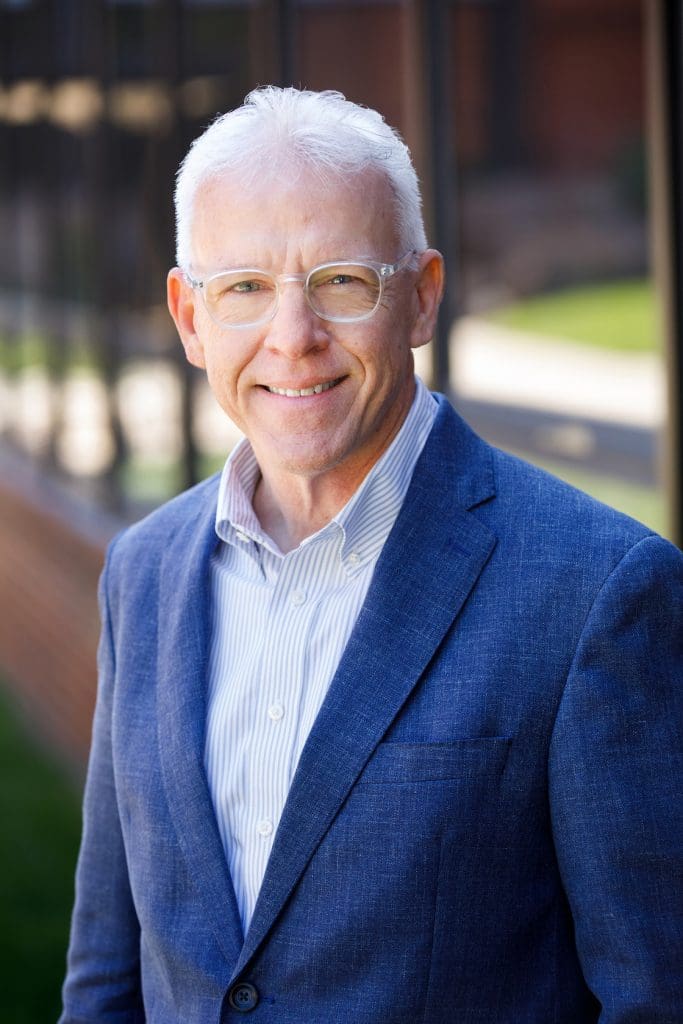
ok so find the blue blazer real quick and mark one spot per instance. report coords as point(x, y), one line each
point(485, 826)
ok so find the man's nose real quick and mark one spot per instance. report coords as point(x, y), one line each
point(295, 330)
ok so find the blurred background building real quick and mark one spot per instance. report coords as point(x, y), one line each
point(547, 133)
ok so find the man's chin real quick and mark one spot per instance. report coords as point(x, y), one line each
point(311, 457)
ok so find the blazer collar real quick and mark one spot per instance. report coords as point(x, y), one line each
point(389, 647)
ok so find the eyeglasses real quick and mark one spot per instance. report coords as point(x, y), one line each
point(344, 291)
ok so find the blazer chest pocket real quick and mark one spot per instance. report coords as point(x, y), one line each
point(464, 760)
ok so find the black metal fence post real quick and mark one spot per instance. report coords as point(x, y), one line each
point(665, 75)
point(443, 171)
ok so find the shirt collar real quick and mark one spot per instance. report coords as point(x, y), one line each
point(370, 513)
point(366, 519)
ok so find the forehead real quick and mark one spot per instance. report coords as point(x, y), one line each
point(292, 224)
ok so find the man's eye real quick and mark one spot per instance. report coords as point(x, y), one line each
point(340, 279)
point(246, 286)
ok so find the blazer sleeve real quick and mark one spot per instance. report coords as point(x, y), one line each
point(103, 969)
point(616, 785)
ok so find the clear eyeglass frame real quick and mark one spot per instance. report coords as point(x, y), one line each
point(384, 272)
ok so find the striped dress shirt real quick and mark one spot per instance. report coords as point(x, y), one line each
point(280, 623)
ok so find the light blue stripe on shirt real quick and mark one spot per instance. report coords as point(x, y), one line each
point(279, 626)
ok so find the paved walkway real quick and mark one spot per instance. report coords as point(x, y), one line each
point(496, 364)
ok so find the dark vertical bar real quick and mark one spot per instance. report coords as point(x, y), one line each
point(285, 28)
point(174, 73)
point(9, 167)
point(103, 174)
point(675, 91)
point(665, 77)
point(273, 36)
point(51, 284)
point(444, 183)
point(508, 28)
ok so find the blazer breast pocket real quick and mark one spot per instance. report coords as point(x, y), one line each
point(423, 791)
point(464, 760)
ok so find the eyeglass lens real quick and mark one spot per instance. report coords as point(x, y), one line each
point(345, 292)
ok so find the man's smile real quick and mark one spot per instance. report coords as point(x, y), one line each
point(315, 389)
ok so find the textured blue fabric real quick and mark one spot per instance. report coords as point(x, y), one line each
point(485, 824)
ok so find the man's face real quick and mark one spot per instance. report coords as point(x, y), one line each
point(345, 428)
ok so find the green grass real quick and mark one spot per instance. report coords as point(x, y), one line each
point(151, 481)
point(40, 814)
point(620, 316)
point(35, 350)
point(646, 504)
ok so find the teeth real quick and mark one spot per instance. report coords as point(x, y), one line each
point(317, 389)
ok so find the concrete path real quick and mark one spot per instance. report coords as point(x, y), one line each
point(498, 365)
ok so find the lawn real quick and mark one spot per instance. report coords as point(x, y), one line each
point(621, 315)
point(40, 813)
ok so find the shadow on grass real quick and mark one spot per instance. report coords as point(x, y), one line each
point(40, 814)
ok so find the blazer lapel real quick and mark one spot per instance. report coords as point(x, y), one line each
point(428, 566)
point(184, 628)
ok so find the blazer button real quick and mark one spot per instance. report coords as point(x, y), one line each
point(243, 996)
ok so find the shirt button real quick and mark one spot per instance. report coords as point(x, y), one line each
point(297, 597)
point(242, 537)
point(354, 558)
point(275, 712)
point(265, 828)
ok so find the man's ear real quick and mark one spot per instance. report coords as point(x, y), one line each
point(429, 290)
point(181, 298)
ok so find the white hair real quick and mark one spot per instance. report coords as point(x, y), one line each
point(299, 129)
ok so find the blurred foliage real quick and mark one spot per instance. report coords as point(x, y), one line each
point(40, 814)
point(620, 316)
point(32, 349)
point(20, 353)
point(149, 482)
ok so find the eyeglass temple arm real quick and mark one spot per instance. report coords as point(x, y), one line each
point(389, 269)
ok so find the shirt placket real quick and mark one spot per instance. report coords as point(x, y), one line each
point(279, 691)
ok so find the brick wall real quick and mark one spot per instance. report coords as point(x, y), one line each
point(585, 84)
point(51, 552)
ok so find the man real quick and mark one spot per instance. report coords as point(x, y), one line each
point(389, 723)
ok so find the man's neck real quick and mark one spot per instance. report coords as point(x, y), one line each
point(293, 508)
